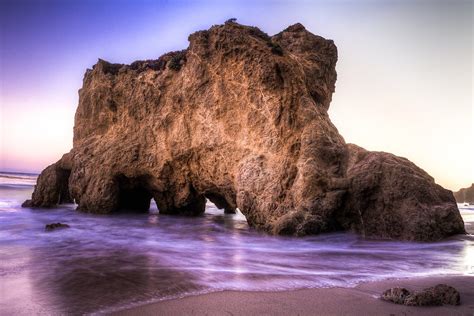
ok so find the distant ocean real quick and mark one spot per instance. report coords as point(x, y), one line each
point(105, 263)
point(17, 180)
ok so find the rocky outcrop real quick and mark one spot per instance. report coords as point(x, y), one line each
point(239, 118)
point(465, 195)
point(52, 185)
point(440, 294)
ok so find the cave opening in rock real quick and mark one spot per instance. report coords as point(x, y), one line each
point(134, 194)
point(234, 221)
point(220, 202)
point(63, 185)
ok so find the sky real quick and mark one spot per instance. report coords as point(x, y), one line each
point(405, 76)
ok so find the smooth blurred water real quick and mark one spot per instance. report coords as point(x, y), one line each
point(108, 262)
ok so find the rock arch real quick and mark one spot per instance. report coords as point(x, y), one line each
point(241, 118)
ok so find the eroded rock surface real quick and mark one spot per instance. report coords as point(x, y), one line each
point(391, 197)
point(240, 118)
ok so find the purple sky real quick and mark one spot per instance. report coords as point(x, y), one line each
point(404, 71)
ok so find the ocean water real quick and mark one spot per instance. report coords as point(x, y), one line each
point(105, 263)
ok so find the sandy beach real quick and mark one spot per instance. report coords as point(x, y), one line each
point(361, 300)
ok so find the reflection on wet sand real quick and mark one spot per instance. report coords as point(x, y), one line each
point(89, 284)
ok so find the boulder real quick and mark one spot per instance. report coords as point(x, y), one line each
point(239, 118)
point(390, 197)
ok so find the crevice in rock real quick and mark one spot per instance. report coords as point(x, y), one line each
point(63, 186)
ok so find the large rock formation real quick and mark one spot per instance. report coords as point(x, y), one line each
point(239, 118)
point(465, 195)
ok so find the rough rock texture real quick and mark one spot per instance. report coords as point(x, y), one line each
point(396, 295)
point(391, 197)
point(240, 118)
point(440, 294)
point(465, 195)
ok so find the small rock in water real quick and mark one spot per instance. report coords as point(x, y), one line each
point(53, 226)
point(440, 294)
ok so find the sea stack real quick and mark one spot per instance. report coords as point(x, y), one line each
point(465, 195)
point(239, 118)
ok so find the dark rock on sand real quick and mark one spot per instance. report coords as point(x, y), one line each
point(53, 226)
point(465, 195)
point(437, 295)
point(239, 118)
point(396, 295)
point(440, 294)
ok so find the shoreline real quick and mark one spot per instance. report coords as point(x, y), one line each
point(362, 299)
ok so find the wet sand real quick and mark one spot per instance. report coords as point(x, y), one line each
point(361, 300)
